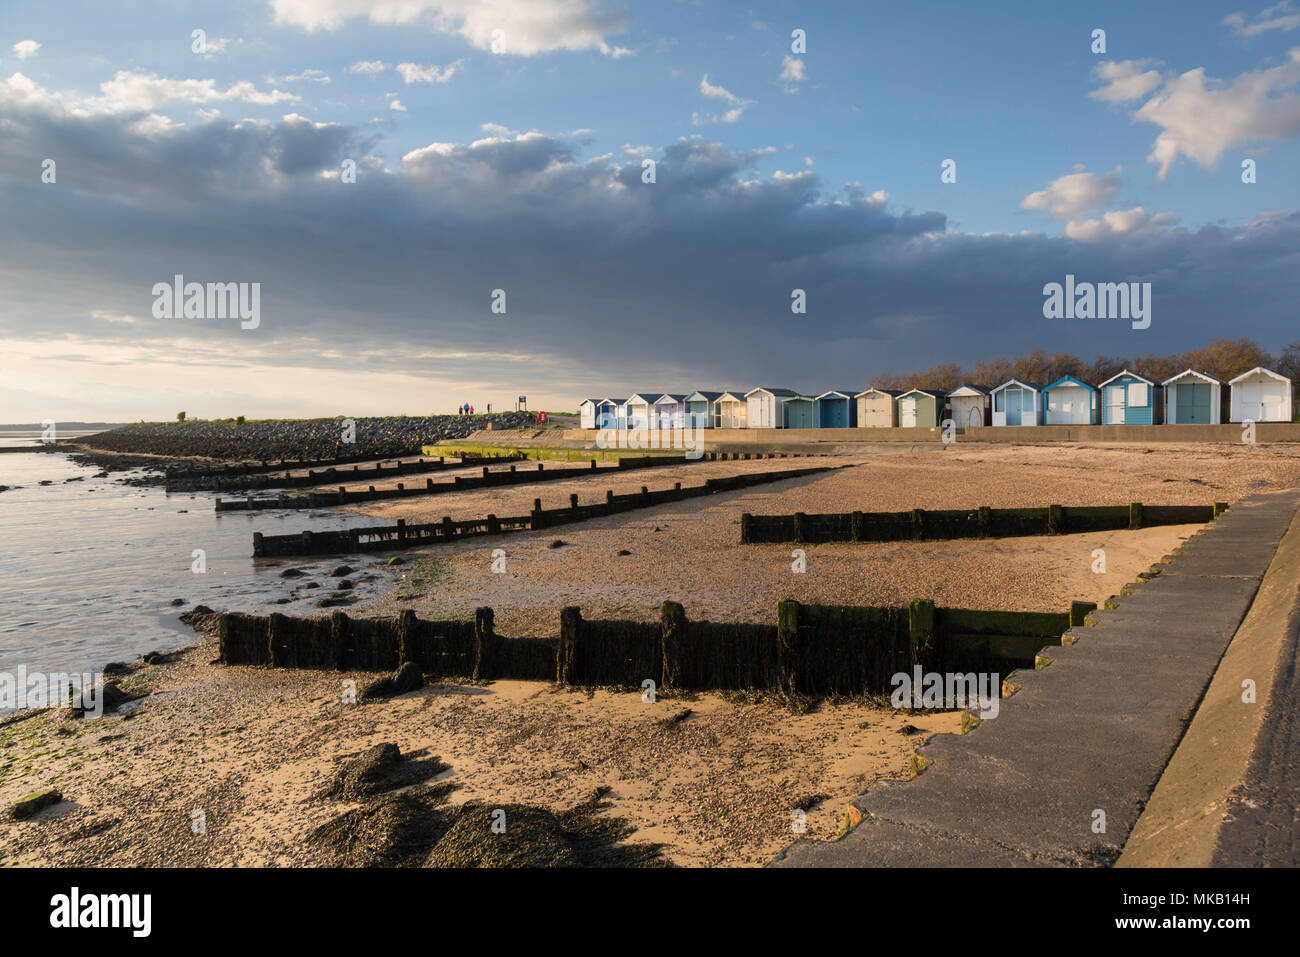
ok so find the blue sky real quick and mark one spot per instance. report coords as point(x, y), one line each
point(482, 169)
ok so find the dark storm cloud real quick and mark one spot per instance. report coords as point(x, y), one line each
point(684, 282)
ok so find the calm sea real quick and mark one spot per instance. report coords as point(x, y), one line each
point(89, 566)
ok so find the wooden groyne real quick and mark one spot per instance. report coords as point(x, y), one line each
point(925, 524)
point(460, 483)
point(233, 470)
point(386, 537)
point(230, 482)
point(815, 650)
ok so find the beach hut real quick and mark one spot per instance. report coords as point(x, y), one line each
point(970, 406)
point(1070, 401)
point(587, 413)
point(877, 408)
point(800, 411)
point(766, 407)
point(836, 409)
point(920, 408)
point(1017, 403)
point(609, 414)
point(702, 409)
point(638, 410)
point(1129, 399)
point(733, 410)
point(1193, 398)
point(1261, 395)
point(669, 411)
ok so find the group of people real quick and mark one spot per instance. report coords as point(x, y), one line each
point(465, 409)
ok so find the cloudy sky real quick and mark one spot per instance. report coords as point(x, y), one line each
point(502, 145)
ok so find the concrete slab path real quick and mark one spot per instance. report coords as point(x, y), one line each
point(1085, 739)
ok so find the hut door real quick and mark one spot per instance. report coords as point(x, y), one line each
point(1252, 405)
point(1114, 405)
point(907, 413)
point(1196, 395)
point(975, 417)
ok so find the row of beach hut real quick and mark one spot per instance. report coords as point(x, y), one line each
point(1189, 398)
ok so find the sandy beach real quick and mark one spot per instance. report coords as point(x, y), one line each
point(249, 747)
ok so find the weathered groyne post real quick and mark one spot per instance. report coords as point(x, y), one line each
point(566, 653)
point(920, 626)
point(787, 646)
point(484, 644)
point(673, 635)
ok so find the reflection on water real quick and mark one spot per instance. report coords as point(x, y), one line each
point(89, 567)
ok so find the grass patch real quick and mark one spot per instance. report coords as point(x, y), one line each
point(543, 453)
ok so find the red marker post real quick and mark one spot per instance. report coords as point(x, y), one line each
point(541, 418)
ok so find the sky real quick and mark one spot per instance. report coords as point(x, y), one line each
point(445, 201)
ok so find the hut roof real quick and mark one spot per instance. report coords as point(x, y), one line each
point(1212, 379)
point(1020, 382)
point(1127, 372)
point(1070, 380)
point(1263, 371)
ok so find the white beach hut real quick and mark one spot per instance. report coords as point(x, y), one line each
point(1017, 403)
point(1193, 398)
point(1261, 395)
point(638, 410)
point(670, 411)
point(969, 406)
point(766, 407)
point(733, 410)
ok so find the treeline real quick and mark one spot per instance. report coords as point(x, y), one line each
point(1225, 358)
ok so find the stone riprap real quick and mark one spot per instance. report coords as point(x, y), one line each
point(298, 438)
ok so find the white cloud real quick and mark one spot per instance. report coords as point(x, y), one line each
point(1281, 17)
point(414, 73)
point(1075, 193)
point(306, 76)
point(1202, 117)
point(368, 67)
point(719, 93)
point(216, 46)
point(1125, 81)
point(519, 27)
point(137, 92)
point(792, 72)
point(26, 48)
point(117, 318)
point(147, 91)
point(1135, 221)
point(396, 106)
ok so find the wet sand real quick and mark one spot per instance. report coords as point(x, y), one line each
point(248, 747)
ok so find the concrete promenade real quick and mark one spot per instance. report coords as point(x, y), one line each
point(1062, 775)
point(847, 439)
